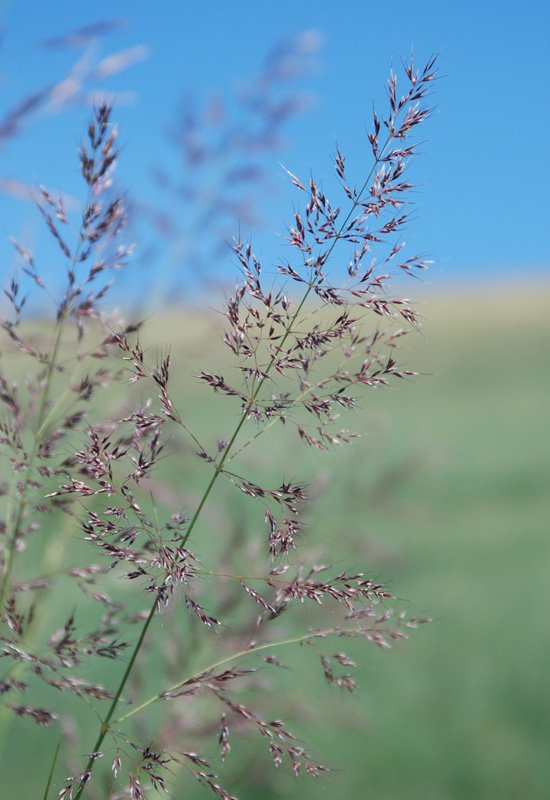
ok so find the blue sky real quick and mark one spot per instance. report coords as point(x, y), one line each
point(482, 207)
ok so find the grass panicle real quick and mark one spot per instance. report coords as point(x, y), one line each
point(161, 623)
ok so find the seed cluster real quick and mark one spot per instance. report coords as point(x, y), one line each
point(83, 493)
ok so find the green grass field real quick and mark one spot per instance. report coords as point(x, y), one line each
point(446, 498)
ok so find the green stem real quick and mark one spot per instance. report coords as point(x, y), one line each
point(50, 776)
point(240, 654)
point(42, 418)
point(30, 467)
point(105, 724)
point(211, 484)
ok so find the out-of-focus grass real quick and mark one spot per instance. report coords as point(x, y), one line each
point(446, 498)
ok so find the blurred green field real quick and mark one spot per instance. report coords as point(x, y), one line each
point(446, 498)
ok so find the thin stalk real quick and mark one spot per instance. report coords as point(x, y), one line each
point(240, 654)
point(30, 467)
point(50, 776)
point(40, 426)
point(105, 723)
point(217, 471)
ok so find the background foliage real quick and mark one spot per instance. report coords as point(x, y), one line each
point(448, 499)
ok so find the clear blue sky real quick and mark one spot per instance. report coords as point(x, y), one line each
point(482, 210)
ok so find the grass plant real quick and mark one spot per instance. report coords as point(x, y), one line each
point(152, 623)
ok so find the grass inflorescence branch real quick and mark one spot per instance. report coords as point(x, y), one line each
point(301, 362)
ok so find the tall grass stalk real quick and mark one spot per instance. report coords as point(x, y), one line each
point(298, 363)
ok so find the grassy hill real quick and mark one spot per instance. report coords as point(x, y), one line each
point(446, 498)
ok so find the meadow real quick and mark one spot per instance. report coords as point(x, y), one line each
point(446, 499)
